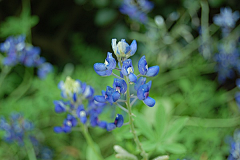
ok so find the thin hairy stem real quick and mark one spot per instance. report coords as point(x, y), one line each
point(116, 76)
point(138, 143)
point(120, 106)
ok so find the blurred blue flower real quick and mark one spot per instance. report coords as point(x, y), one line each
point(136, 10)
point(19, 52)
point(110, 95)
point(117, 123)
point(226, 18)
point(44, 70)
point(68, 123)
point(16, 129)
point(105, 69)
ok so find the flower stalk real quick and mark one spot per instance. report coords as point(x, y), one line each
point(137, 141)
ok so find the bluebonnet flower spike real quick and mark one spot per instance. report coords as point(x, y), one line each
point(144, 70)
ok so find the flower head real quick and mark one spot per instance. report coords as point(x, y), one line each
point(122, 49)
point(69, 87)
point(144, 70)
point(105, 69)
point(143, 94)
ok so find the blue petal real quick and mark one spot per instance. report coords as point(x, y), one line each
point(119, 120)
point(111, 61)
point(74, 97)
point(99, 67)
point(133, 47)
point(101, 73)
point(153, 71)
point(102, 124)
point(149, 101)
point(66, 129)
point(59, 106)
point(142, 65)
point(132, 77)
point(140, 81)
point(100, 99)
point(58, 129)
point(111, 126)
point(116, 95)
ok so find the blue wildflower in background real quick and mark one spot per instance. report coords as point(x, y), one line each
point(77, 95)
point(235, 146)
point(226, 19)
point(227, 61)
point(136, 10)
point(19, 52)
point(16, 129)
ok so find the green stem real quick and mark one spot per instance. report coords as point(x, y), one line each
point(205, 122)
point(4, 73)
point(137, 141)
point(30, 150)
point(90, 141)
point(23, 87)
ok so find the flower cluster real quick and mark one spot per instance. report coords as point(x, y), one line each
point(235, 146)
point(227, 61)
point(77, 94)
point(226, 19)
point(113, 94)
point(136, 10)
point(18, 51)
point(16, 128)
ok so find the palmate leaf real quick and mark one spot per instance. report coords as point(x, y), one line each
point(174, 128)
point(175, 148)
point(18, 25)
point(91, 154)
point(144, 127)
point(160, 121)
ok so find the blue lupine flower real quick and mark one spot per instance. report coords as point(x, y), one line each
point(141, 81)
point(44, 69)
point(122, 48)
point(227, 60)
point(68, 123)
point(128, 70)
point(120, 85)
point(144, 70)
point(69, 87)
point(17, 51)
point(237, 97)
point(136, 10)
point(143, 94)
point(117, 123)
point(105, 69)
point(60, 106)
point(110, 95)
point(16, 128)
point(226, 18)
point(81, 113)
point(234, 151)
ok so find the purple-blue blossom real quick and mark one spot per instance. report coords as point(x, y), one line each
point(136, 10)
point(144, 70)
point(128, 70)
point(122, 49)
point(143, 94)
point(105, 69)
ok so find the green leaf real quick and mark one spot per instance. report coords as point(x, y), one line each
point(160, 121)
point(175, 127)
point(149, 145)
point(91, 154)
point(175, 148)
point(144, 127)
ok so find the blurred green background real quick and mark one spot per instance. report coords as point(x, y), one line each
point(196, 113)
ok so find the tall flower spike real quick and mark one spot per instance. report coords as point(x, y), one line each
point(128, 70)
point(105, 69)
point(122, 48)
point(144, 70)
point(143, 94)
